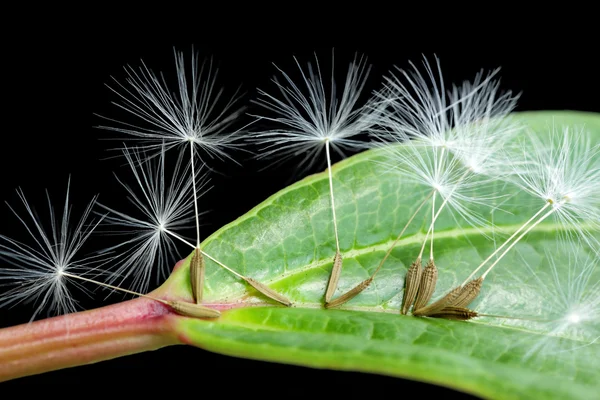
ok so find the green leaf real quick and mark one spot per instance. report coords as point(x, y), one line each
point(287, 242)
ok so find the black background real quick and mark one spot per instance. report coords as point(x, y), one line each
point(54, 82)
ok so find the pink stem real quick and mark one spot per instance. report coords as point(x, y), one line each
point(86, 337)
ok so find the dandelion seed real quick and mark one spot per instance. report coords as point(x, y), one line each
point(261, 287)
point(164, 209)
point(411, 283)
point(41, 271)
point(573, 299)
point(461, 130)
point(267, 291)
point(189, 116)
point(449, 144)
point(350, 294)
point(439, 305)
point(458, 313)
point(421, 108)
point(314, 119)
point(565, 174)
point(411, 286)
point(455, 313)
point(469, 291)
point(448, 178)
point(336, 272)
point(427, 285)
point(162, 206)
point(197, 272)
point(192, 310)
point(564, 293)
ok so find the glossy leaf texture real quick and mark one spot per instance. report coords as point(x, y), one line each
point(287, 242)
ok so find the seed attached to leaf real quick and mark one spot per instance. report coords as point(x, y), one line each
point(197, 272)
point(411, 285)
point(469, 292)
point(336, 271)
point(267, 291)
point(435, 308)
point(454, 313)
point(427, 285)
point(193, 310)
point(349, 295)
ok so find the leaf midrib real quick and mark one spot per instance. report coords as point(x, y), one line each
point(411, 240)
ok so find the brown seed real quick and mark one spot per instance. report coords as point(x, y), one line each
point(193, 310)
point(336, 271)
point(349, 295)
point(267, 291)
point(411, 285)
point(439, 305)
point(469, 292)
point(197, 272)
point(454, 313)
point(427, 286)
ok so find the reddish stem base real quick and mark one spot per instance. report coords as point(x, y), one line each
point(86, 337)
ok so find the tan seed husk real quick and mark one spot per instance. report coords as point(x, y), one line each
point(411, 286)
point(455, 313)
point(427, 285)
point(439, 305)
point(336, 271)
point(349, 295)
point(267, 291)
point(193, 310)
point(197, 272)
point(469, 292)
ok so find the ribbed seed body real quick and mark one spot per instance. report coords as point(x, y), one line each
point(469, 292)
point(411, 286)
point(439, 305)
point(197, 273)
point(267, 291)
point(193, 310)
point(427, 285)
point(336, 271)
point(455, 313)
point(349, 295)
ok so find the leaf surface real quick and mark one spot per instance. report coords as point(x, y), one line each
point(287, 242)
